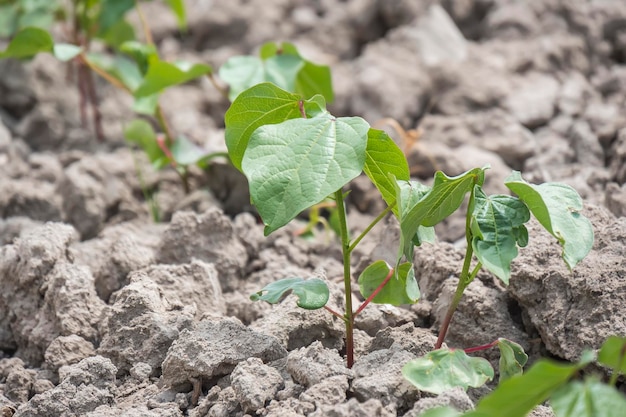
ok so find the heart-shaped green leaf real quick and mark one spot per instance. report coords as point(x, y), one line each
point(260, 105)
point(312, 294)
point(443, 199)
point(444, 369)
point(613, 354)
point(401, 289)
point(512, 359)
point(556, 206)
point(162, 75)
point(495, 224)
point(383, 157)
point(295, 164)
point(27, 43)
point(588, 399)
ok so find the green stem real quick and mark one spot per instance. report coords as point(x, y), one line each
point(465, 278)
point(347, 277)
point(371, 226)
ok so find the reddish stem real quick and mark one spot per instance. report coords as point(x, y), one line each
point(375, 293)
point(334, 313)
point(482, 347)
point(301, 107)
point(161, 142)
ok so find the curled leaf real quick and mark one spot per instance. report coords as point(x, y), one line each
point(312, 294)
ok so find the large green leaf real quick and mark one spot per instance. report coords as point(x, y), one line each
point(520, 394)
point(556, 206)
point(401, 289)
point(312, 294)
point(27, 43)
point(613, 354)
point(496, 220)
point(408, 193)
point(383, 157)
point(292, 165)
point(588, 399)
point(162, 75)
point(444, 369)
point(445, 197)
point(260, 105)
point(512, 359)
point(243, 72)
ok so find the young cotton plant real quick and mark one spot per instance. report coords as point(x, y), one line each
point(295, 154)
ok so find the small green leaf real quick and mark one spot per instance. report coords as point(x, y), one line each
point(292, 165)
point(408, 193)
point(118, 34)
point(186, 152)
point(118, 67)
point(178, 7)
point(613, 354)
point(315, 79)
point(383, 157)
point(162, 75)
point(146, 105)
point(312, 294)
point(556, 206)
point(27, 43)
point(141, 53)
point(588, 399)
point(112, 12)
point(512, 359)
point(243, 72)
point(495, 224)
point(260, 105)
point(444, 369)
point(65, 51)
point(445, 197)
point(401, 289)
point(518, 395)
point(140, 132)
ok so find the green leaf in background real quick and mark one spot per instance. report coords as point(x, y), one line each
point(243, 72)
point(120, 68)
point(445, 197)
point(260, 105)
point(519, 395)
point(65, 51)
point(401, 289)
point(588, 399)
point(315, 79)
point(140, 132)
point(444, 369)
point(162, 75)
point(118, 34)
point(178, 7)
point(556, 206)
point(111, 13)
point(8, 20)
point(512, 359)
point(141, 53)
point(146, 105)
point(383, 157)
point(312, 294)
point(613, 354)
point(292, 165)
point(186, 152)
point(496, 220)
point(27, 43)
point(408, 193)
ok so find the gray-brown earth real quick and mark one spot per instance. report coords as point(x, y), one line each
point(106, 313)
